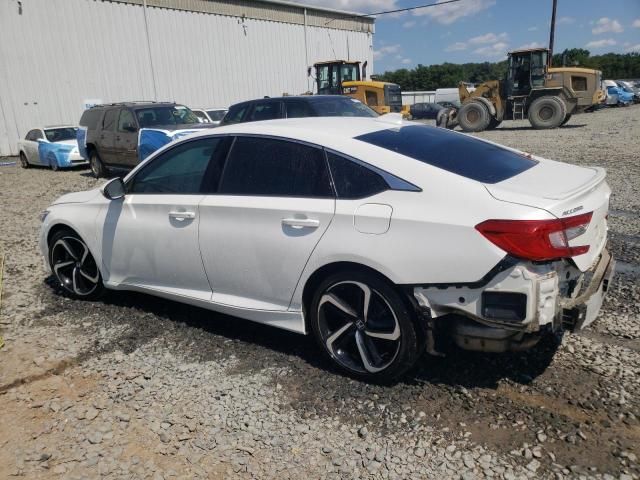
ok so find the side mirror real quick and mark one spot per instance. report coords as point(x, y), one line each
point(114, 189)
point(129, 127)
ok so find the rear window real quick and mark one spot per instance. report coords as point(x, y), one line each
point(90, 118)
point(460, 154)
point(340, 107)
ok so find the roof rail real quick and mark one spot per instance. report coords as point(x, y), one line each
point(128, 102)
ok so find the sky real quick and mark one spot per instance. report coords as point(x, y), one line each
point(484, 30)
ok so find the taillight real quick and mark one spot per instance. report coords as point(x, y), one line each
point(537, 239)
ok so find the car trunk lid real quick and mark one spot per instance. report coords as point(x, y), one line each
point(563, 190)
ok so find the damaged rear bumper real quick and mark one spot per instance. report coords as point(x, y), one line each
point(511, 310)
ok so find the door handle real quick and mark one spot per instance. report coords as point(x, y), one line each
point(301, 222)
point(182, 215)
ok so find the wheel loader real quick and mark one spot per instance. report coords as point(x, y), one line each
point(547, 96)
point(340, 77)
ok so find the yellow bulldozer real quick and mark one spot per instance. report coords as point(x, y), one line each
point(341, 77)
point(547, 96)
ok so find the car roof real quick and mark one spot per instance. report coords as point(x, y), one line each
point(327, 131)
point(306, 98)
point(47, 127)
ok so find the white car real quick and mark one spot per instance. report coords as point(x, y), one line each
point(210, 115)
point(54, 147)
point(373, 235)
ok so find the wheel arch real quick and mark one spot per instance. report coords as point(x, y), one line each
point(62, 226)
point(328, 269)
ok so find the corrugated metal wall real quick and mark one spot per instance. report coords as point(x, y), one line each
point(58, 53)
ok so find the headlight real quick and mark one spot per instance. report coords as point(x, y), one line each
point(43, 215)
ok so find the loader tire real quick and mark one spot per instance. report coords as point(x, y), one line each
point(566, 119)
point(474, 116)
point(494, 123)
point(547, 112)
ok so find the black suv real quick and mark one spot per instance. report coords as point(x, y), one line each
point(296, 107)
point(112, 130)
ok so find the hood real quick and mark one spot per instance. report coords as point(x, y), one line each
point(77, 197)
point(73, 142)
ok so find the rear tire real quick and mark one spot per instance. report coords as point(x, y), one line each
point(97, 167)
point(547, 112)
point(24, 163)
point(362, 325)
point(474, 116)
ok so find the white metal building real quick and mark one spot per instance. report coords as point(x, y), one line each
point(58, 55)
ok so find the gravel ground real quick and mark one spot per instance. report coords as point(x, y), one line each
point(139, 387)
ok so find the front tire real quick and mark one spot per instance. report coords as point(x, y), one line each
point(74, 267)
point(97, 167)
point(474, 116)
point(547, 112)
point(363, 326)
point(24, 163)
point(53, 163)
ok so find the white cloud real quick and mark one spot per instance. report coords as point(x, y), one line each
point(454, 47)
point(409, 24)
point(452, 12)
point(532, 29)
point(406, 61)
point(496, 50)
point(385, 50)
point(488, 38)
point(605, 25)
point(636, 23)
point(606, 42)
point(528, 46)
point(565, 20)
point(633, 48)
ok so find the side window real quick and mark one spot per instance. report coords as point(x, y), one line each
point(298, 110)
point(235, 114)
point(264, 166)
point(109, 120)
point(34, 135)
point(265, 111)
point(126, 122)
point(180, 170)
point(579, 84)
point(90, 118)
point(372, 98)
point(353, 180)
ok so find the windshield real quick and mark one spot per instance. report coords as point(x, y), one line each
point(216, 115)
point(60, 134)
point(453, 152)
point(169, 115)
point(349, 73)
point(341, 107)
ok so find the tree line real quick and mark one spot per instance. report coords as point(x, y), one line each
point(430, 77)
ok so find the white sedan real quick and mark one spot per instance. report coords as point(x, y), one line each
point(55, 147)
point(373, 235)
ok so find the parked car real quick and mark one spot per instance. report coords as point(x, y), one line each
point(629, 88)
point(296, 107)
point(210, 115)
point(54, 146)
point(120, 135)
point(425, 110)
point(373, 235)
